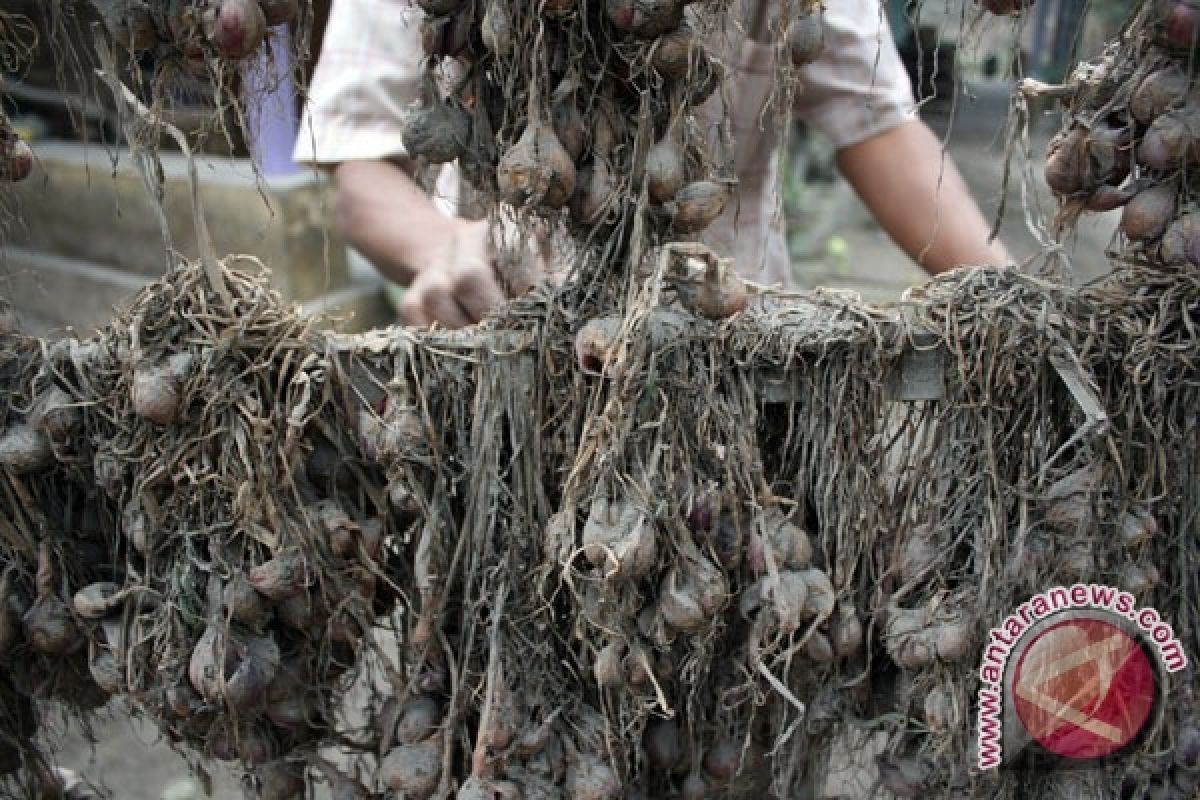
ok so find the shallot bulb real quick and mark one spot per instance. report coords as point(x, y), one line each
point(1067, 161)
point(806, 38)
point(719, 292)
point(1172, 140)
point(1149, 213)
point(589, 778)
point(665, 168)
point(418, 719)
point(280, 780)
point(438, 130)
point(619, 537)
point(537, 169)
point(645, 19)
point(496, 28)
point(130, 23)
point(156, 390)
point(49, 625)
point(1181, 241)
point(567, 121)
point(696, 205)
point(236, 28)
point(663, 744)
point(56, 414)
point(1158, 92)
point(674, 53)
point(25, 449)
point(1179, 25)
point(414, 769)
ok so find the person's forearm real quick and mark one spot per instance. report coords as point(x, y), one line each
point(385, 215)
point(920, 199)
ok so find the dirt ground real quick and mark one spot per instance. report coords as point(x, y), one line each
point(133, 762)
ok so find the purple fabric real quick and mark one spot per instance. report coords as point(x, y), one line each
point(272, 121)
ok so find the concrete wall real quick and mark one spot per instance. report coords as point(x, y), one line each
point(82, 234)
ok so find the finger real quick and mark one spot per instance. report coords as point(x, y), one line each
point(412, 311)
point(477, 291)
point(441, 307)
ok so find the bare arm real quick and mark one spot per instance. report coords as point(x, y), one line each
point(920, 199)
point(446, 262)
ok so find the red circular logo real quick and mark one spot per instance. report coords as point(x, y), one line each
point(1083, 688)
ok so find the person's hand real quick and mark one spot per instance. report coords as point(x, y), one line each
point(458, 284)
